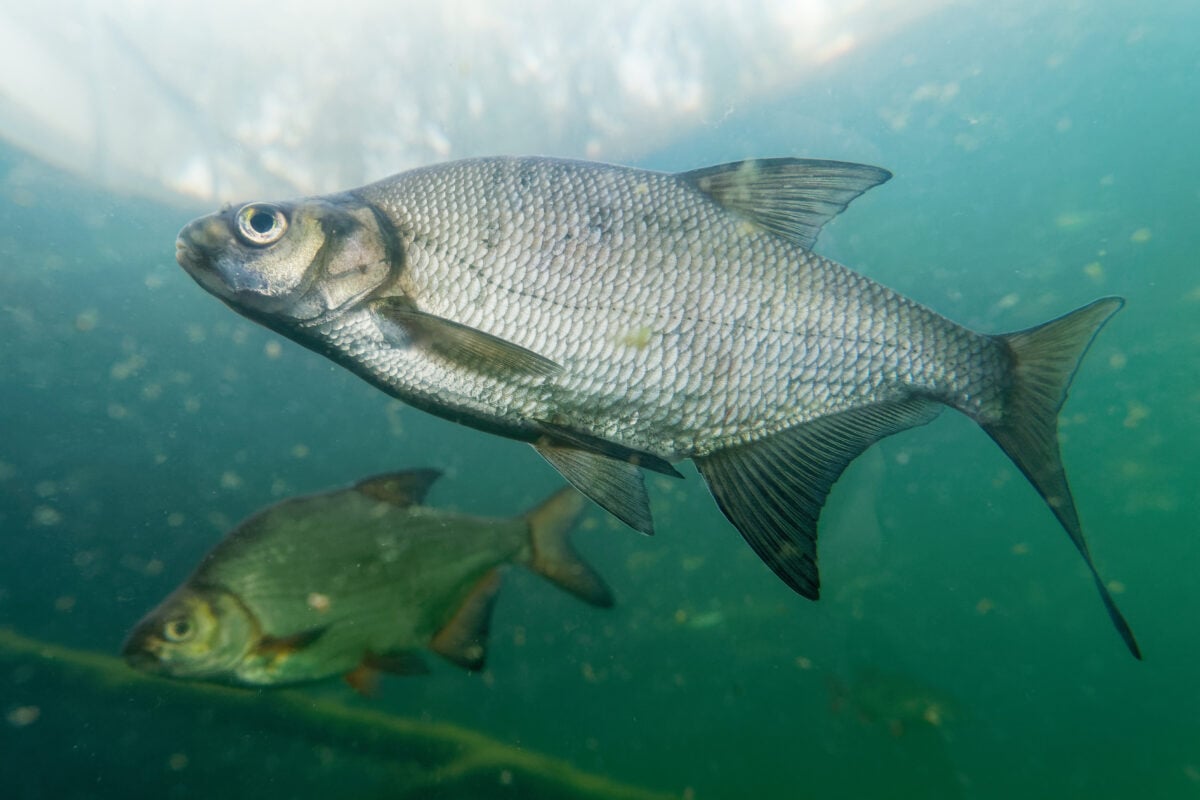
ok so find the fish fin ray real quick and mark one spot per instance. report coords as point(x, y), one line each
point(791, 197)
point(475, 349)
point(1044, 360)
point(401, 489)
point(277, 648)
point(772, 490)
point(398, 662)
point(563, 435)
point(463, 640)
point(554, 558)
point(616, 486)
point(363, 679)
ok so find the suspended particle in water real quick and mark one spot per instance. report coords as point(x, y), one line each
point(46, 516)
point(22, 716)
point(1140, 236)
point(86, 320)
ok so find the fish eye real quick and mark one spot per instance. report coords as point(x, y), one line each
point(260, 224)
point(177, 630)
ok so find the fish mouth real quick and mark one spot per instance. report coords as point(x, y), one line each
point(140, 652)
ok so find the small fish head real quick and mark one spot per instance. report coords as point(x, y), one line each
point(196, 634)
point(285, 264)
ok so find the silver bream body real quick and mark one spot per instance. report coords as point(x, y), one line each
point(620, 319)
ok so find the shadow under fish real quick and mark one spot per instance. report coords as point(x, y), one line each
point(353, 582)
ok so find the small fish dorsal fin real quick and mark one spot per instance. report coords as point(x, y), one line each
point(791, 197)
point(401, 489)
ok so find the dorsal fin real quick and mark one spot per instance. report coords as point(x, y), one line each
point(791, 197)
point(401, 489)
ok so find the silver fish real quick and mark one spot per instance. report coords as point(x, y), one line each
point(352, 582)
point(617, 318)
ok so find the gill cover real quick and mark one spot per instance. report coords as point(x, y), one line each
point(192, 634)
point(280, 263)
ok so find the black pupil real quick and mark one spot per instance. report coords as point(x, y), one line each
point(262, 222)
point(180, 627)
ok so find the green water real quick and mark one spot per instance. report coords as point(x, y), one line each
point(1042, 159)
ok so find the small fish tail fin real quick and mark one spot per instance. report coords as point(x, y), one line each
point(1044, 360)
point(551, 553)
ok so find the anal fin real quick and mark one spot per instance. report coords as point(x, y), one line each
point(772, 490)
point(463, 639)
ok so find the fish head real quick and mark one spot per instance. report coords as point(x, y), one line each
point(288, 264)
point(202, 634)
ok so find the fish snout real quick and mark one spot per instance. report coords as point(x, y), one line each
point(140, 651)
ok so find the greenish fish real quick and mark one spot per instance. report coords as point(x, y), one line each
point(619, 319)
point(352, 582)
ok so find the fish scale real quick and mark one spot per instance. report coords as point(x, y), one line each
point(543, 284)
point(619, 319)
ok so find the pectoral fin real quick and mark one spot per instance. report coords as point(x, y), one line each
point(791, 197)
point(405, 325)
point(278, 648)
point(772, 490)
point(463, 639)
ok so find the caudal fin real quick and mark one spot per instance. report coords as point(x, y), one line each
point(552, 554)
point(1044, 360)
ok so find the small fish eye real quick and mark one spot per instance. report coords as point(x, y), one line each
point(261, 224)
point(177, 630)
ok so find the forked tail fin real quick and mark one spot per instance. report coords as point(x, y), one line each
point(1044, 360)
point(553, 556)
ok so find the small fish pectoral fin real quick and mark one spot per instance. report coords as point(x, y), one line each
point(616, 486)
point(472, 348)
point(791, 197)
point(277, 648)
point(401, 489)
point(463, 639)
point(773, 490)
point(558, 434)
